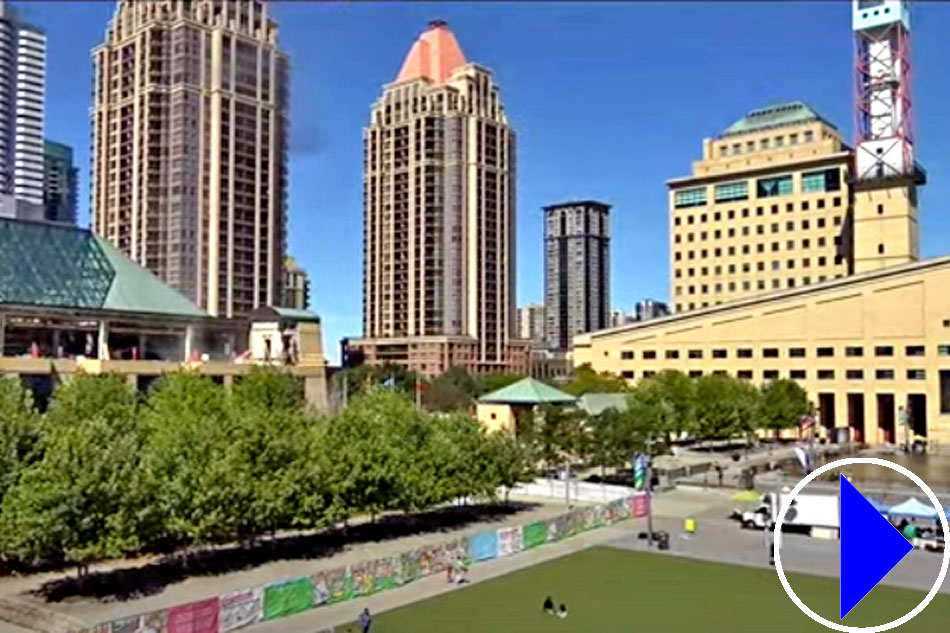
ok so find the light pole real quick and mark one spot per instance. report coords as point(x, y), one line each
point(649, 489)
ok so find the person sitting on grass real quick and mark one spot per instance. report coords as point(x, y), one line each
point(548, 606)
point(562, 612)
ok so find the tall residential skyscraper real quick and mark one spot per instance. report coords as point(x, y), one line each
point(439, 217)
point(60, 194)
point(576, 270)
point(190, 150)
point(296, 285)
point(22, 106)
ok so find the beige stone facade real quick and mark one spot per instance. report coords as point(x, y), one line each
point(863, 347)
point(767, 207)
point(439, 216)
point(189, 155)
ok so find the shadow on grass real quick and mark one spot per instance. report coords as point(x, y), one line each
point(137, 582)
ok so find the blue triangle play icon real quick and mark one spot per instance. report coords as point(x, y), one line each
point(870, 547)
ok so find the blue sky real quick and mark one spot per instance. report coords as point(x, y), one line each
point(609, 100)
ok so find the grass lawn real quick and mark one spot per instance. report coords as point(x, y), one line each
point(608, 589)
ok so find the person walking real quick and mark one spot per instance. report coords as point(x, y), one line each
point(366, 620)
point(770, 544)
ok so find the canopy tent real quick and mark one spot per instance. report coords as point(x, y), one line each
point(914, 509)
point(880, 507)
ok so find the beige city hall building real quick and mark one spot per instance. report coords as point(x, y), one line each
point(863, 347)
point(189, 156)
point(439, 218)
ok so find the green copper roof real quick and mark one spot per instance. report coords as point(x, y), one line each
point(64, 267)
point(528, 391)
point(773, 116)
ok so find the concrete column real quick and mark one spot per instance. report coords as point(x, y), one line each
point(55, 350)
point(141, 345)
point(3, 331)
point(189, 341)
point(103, 340)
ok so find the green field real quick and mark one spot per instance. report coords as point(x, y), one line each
point(608, 589)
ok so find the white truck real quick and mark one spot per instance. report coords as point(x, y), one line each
point(815, 513)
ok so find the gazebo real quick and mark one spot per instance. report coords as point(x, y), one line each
point(499, 409)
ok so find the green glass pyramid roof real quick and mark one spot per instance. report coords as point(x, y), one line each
point(772, 116)
point(61, 266)
point(528, 391)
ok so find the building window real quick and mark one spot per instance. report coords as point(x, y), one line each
point(744, 353)
point(789, 207)
point(744, 374)
point(883, 350)
point(945, 391)
point(719, 353)
point(731, 191)
point(797, 374)
point(796, 352)
point(770, 187)
point(770, 374)
point(720, 372)
point(805, 206)
point(818, 181)
point(808, 136)
point(821, 224)
point(745, 213)
point(626, 355)
point(884, 374)
point(854, 374)
point(789, 226)
point(695, 197)
point(649, 355)
point(943, 350)
point(915, 350)
point(825, 352)
point(672, 354)
point(770, 352)
point(695, 353)
point(826, 374)
point(837, 202)
point(649, 374)
point(695, 373)
point(916, 374)
point(854, 352)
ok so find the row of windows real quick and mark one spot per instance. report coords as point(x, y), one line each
point(912, 351)
point(733, 286)
point(746, 267)
point(794, 374)
point(759, 230)
point(760, 211)
point(704, 253)
point(784, 185)
point(766, 143)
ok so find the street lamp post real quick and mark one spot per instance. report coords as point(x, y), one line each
point(649, 489)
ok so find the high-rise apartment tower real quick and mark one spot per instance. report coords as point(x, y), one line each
point(576, 270)
point(22, 109)
point(61, 183)
point(189, 151)
point(439, 217)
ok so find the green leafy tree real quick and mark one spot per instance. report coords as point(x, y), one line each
point(586, 380)
point(560, 435)
point(454, 390)
point(19, 431)
point(782, 405)
point(510, 460)
point(670, 402)
point(193, 455)
point(726, 407)
point(268, 389)
point(89, 496)
point(615, 435)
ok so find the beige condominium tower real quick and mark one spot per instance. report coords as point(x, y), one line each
point(189, 164)
point(439, 218)
point(766, 208)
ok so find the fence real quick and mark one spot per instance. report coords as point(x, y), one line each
point(281, 599)
point(579, 490)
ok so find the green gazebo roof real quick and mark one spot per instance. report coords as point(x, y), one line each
point(61, 266)
point(528, 391)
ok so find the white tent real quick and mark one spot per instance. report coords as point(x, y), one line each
point(913, 508)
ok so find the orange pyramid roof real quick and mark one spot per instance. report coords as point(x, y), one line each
point(434, 55)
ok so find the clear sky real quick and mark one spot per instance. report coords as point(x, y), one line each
point(609, 100)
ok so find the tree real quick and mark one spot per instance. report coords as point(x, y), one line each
point(560, 435)
point(615, 435)
point(268, 389)
point(586, 380)
point(510, 460)
point(782, 405)
point(193, 453)
point(726, 407)
point(19, 431)
point(670, 402)
point(452, 391)
point(89, 496)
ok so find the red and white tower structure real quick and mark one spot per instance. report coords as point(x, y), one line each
point(886, 174)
